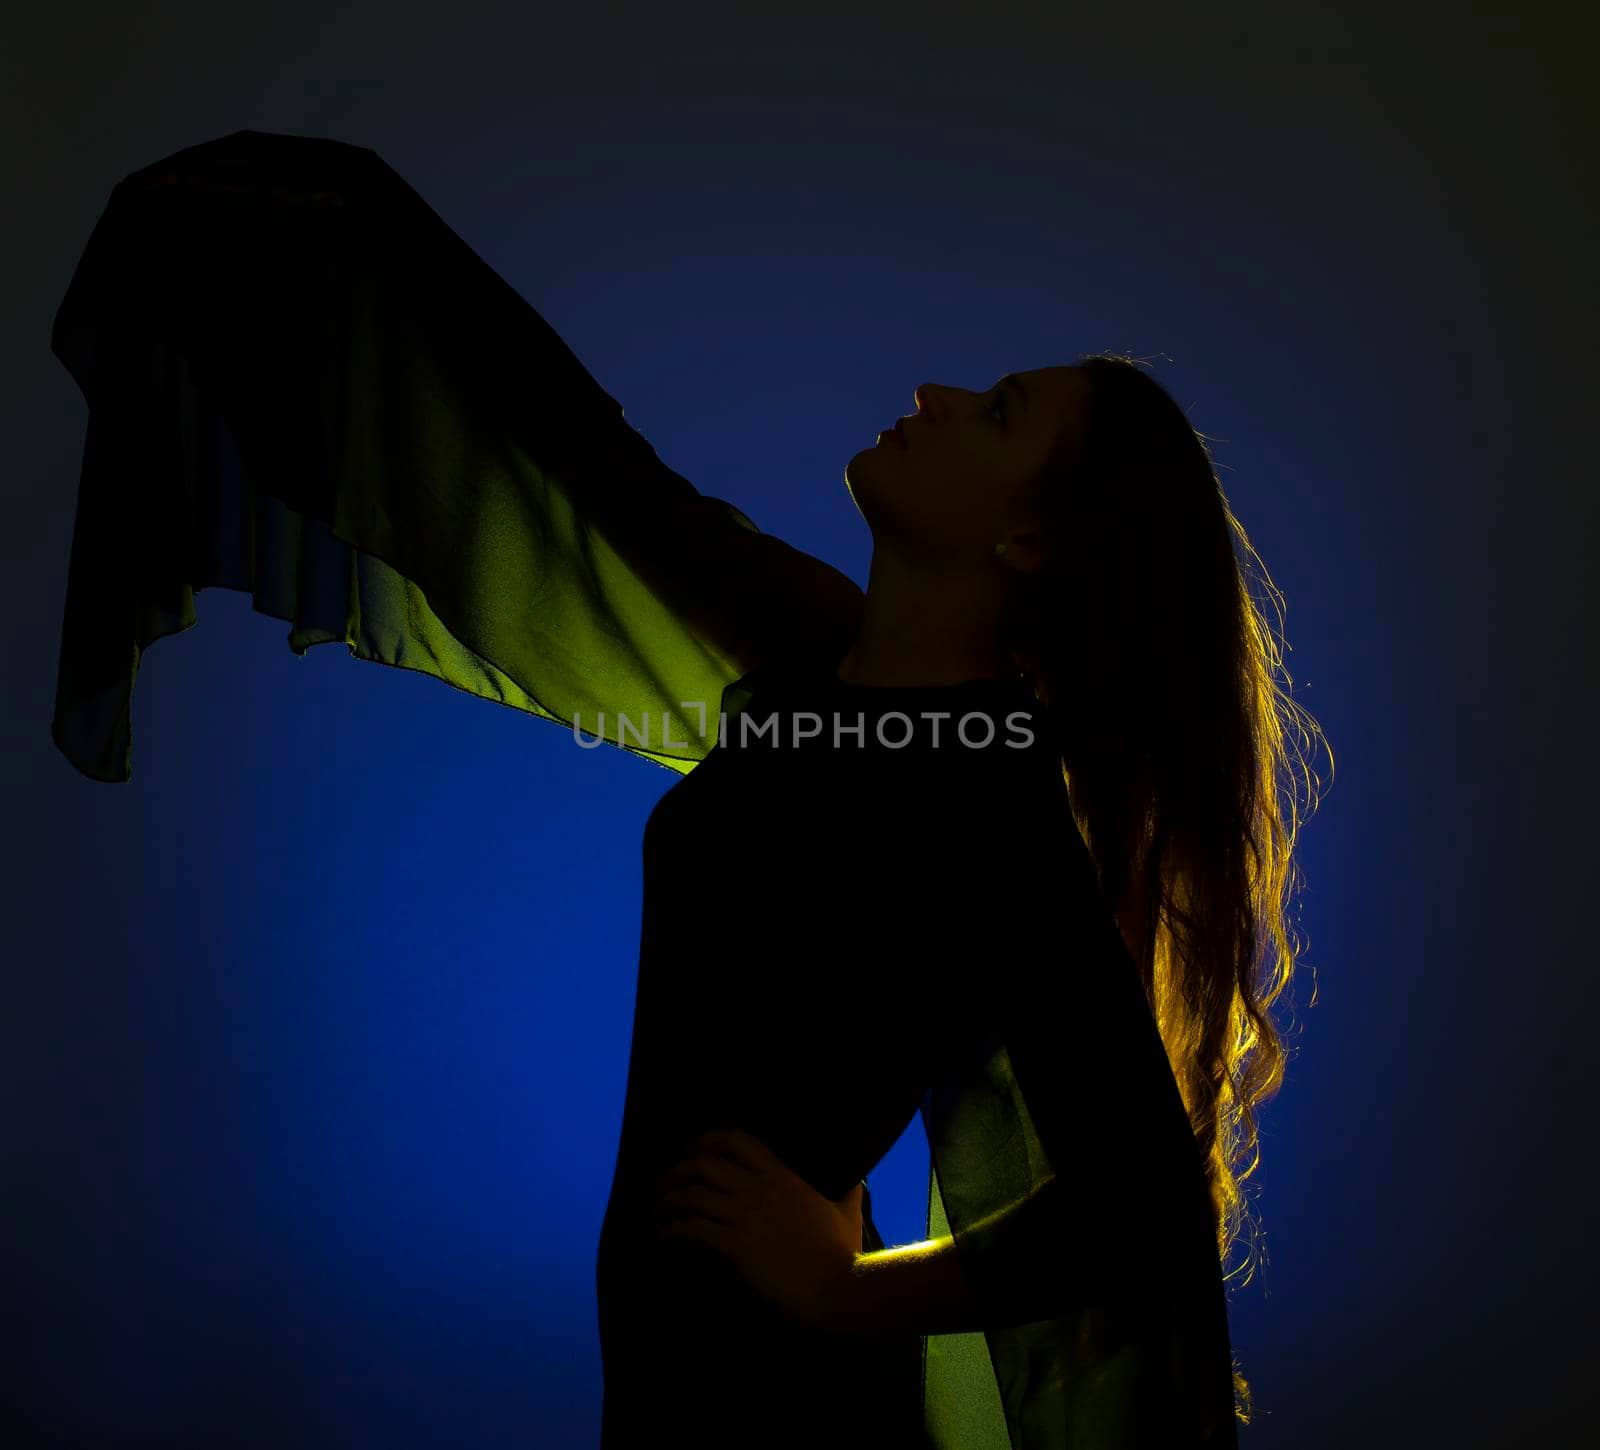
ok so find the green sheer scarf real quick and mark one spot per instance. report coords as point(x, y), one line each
point(423, 470)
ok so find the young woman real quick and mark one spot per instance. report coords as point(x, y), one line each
point(1000, 842)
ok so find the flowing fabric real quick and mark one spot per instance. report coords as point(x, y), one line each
point(303, 385)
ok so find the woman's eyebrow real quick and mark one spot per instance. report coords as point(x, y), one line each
point(1016, 382)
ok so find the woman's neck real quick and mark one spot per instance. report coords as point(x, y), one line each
point(922, 630)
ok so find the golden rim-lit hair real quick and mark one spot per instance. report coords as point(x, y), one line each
point(1151, 630)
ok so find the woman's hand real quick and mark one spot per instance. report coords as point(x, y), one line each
point(794, 1247)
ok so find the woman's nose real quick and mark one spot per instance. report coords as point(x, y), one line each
point(920, 397)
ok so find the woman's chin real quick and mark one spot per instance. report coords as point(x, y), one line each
point(887, 443)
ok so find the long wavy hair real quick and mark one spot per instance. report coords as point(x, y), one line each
point(1181, 751)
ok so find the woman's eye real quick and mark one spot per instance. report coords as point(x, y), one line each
point(999, 406)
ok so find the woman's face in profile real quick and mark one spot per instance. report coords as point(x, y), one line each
point(957, 477)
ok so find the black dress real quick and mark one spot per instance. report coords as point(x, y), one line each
point(788, 985)
point(302, 384)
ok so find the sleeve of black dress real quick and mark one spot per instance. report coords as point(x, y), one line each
point(1063, 1164)
point(302, 384)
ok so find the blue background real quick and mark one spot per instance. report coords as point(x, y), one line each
point(315, 1033)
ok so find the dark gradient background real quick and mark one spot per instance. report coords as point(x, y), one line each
point(315, 1033)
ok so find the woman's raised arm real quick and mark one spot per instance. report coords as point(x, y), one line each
point(302, 384)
